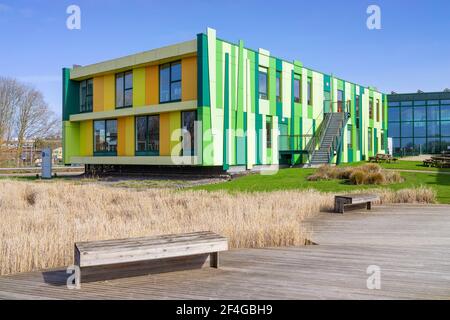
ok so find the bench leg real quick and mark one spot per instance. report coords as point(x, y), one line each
point(214, 260)
point(369, 205)
point(339, 206)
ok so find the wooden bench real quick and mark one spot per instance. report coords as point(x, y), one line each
point(117, 254)
point(341, 201)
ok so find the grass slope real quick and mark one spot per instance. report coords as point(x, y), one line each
point(288, 179)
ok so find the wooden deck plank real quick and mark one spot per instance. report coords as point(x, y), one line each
point(409, 243)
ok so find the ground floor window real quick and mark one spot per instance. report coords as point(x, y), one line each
point(147, 135)
point(269, 132)
point(187, 124)
point(369, 138)
point(349, 137)
point(105, 137)
point(383, 146)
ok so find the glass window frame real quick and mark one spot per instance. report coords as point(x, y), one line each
point(263, 71)
point(147, 151)
point(87, 95)
point(309, 91)
point(105, 138)
point(298, 78)
point(171, 81)
point(279, 86)
point(124, 89)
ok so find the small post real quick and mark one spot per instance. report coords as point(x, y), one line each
point(214, 260)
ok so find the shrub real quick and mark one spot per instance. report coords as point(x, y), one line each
point(357, 177)
point(371, 174)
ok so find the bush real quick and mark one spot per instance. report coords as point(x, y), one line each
point(370, 174)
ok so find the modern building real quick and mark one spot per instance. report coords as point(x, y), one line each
point(419, 122)
point(212, 103)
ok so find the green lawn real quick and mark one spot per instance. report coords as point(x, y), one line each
point(288, 179)
point(402, 165)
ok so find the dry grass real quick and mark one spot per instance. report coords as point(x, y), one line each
point(370, 174)
point(41, 221)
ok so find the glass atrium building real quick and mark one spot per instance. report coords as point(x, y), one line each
point(419, 123)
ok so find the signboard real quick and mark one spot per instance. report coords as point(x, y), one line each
point(46, 165)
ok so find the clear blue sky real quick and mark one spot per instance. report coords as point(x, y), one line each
point(410, 52)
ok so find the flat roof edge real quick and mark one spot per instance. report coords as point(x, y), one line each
point(142, 58)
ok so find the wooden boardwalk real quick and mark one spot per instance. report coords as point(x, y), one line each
point(410, 244)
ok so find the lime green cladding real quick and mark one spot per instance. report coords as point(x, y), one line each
point(241, 127)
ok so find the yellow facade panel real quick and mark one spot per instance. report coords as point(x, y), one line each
point(86, 138)
point(109, 88)
point(139, 85)
point(98, 94)
point(189, 78)
point(174, 125)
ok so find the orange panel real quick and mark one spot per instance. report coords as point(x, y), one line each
point(98, 94)
point(164, 134)
point(189, 78)
point(151, 85)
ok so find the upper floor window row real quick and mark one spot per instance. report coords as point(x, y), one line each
point(86, 95)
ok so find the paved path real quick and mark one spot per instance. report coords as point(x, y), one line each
point(410, 244)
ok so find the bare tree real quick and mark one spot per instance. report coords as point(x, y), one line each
point(11, 93)
point(33, 118)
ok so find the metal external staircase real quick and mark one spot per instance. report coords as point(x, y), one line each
point(328, 138)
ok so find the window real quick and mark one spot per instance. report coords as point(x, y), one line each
point(406, 103)
point(357, 101)
point(419, 103)
point(407, 114)
point(420, 114)
point(187, 123)
point(147, 135)
point(445, 112)
point(370, 108)
point(378, 109)
point(340, 98)
point(394, 104)
point(432, 113)
point(445, 128)
point(394, 114)
point(279, 86)
point(394, 129)
point(86, 95)
point(369, 138)
point(309, 92)
point(297, 88)
point(383, 145)
point(263, 83)
point(420, 129)
point(407, 129)
point(124, 89)
point(357, 140)
point(433, 129)
point(170, 82)
point(105, 137)
point(269, 131)
point(349, 137)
